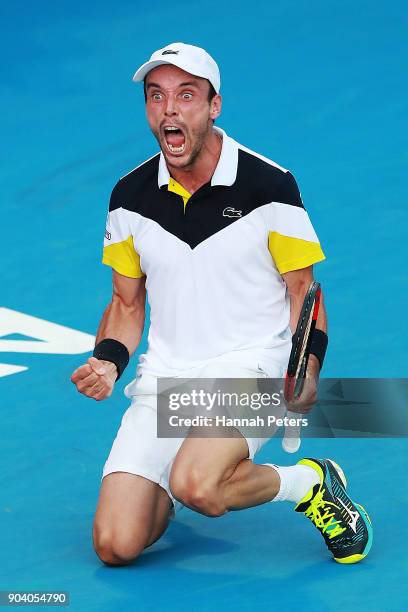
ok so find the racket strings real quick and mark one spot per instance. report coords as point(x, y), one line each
point(304, 344)
point(298, 359)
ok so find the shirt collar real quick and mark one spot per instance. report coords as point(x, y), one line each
point(226, 170)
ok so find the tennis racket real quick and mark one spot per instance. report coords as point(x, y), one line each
point(298, 360)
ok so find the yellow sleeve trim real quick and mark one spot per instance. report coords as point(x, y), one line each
point(122, 257)
point(293, 253)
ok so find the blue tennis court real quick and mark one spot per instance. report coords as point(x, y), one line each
point(320, 88)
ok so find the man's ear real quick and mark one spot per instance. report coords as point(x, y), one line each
point(215, 107)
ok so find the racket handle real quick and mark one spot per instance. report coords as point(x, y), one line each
point(291, 440)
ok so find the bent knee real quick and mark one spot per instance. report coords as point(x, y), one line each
point(197, 494)
point(117, 549)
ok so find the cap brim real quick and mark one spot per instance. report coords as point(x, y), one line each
point(147, 67)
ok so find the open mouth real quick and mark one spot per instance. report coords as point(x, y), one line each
point(175, 139)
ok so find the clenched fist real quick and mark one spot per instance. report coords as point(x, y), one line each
point(95, 379)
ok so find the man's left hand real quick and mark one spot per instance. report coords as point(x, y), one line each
point(308, 397)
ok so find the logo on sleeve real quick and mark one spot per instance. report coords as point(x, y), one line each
point(108, 235)
point(231, 212)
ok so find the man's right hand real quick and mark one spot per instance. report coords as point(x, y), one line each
point(95, 379)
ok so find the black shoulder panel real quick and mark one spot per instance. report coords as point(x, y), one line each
point(266, 182)
point(129, 191)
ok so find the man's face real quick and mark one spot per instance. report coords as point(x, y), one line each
point(179, 113)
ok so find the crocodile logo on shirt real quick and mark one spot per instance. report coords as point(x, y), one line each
point(231, 212)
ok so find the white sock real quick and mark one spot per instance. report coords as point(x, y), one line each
point(295, 481)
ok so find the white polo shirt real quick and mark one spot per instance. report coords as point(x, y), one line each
point(213, 261)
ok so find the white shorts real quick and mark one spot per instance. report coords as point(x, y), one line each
point(137, 449)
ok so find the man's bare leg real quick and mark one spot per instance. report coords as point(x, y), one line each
point(132, 513)
point(213, 475)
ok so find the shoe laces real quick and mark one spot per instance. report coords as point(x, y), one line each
point(321, 513)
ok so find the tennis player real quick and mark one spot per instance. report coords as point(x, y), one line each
point(218, 238)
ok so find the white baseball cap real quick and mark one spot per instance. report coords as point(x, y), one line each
point(193, 60)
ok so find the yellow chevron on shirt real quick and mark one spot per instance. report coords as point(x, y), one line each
point(291, 253)
point(175, 187)
point(123, 258)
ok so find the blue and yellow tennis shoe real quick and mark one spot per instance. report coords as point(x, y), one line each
point(344, 525)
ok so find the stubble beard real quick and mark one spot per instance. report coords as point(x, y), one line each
point(194, 154)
